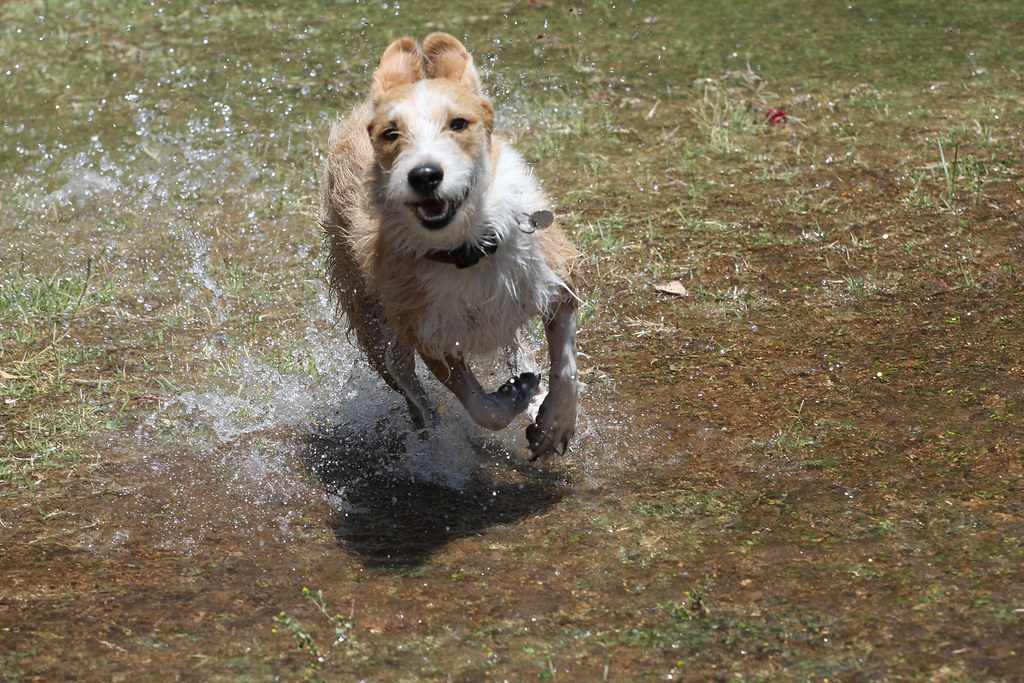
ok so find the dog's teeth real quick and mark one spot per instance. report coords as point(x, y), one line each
point(436, 211)
point(434, 208)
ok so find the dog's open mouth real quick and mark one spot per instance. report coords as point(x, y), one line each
point(437, 212)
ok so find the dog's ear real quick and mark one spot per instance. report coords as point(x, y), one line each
point(445, 57)
point(488, 110)
point(401, 63)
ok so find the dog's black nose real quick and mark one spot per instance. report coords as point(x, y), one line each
point(425, 178)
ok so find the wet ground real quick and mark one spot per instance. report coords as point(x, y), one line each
point(800, 456)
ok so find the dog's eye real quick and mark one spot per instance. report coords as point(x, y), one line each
point(458, 124)
point(390, 134)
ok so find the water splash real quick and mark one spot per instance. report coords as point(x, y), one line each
point(168, 200)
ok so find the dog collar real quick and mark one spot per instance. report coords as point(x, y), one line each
point(467, 255)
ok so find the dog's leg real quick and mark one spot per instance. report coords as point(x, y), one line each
point(401, 365)
point(491, 410)
point(393, 361)
point(556, 419)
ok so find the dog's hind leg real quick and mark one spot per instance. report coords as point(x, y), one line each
point(400, 363)
point(395, 363)
point(491, 410)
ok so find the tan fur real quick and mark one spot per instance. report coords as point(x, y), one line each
point(397, 299)
point(401, 64)
point(347, 221)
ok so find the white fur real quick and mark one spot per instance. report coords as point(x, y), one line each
point(476, 310)
point(479, 310)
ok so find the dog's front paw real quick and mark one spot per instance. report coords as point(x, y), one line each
point(554, 427)
point(519, 391)
point(497, 409)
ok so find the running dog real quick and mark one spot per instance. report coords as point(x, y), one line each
point(442, 244)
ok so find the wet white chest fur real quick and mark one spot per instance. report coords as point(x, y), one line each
point(479, 309)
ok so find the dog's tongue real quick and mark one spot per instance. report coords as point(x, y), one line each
point(433, 208)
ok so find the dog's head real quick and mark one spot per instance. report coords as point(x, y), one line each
point(430, 129)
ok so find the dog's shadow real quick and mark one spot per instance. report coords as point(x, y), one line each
point(392, 517)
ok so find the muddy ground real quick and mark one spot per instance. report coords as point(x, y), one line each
point(801, 453)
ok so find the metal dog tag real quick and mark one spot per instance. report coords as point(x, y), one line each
point(541, 219)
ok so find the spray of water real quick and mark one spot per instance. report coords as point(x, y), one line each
point(167, 206)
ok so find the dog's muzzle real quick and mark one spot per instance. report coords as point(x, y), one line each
point(434, 212)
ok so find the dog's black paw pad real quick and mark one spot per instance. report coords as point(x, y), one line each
point(521, 388)
point(527, 383)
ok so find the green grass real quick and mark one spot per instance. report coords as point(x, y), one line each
point(826, 423)
point(47, 383)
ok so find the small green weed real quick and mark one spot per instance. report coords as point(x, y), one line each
point(960, 171)
point(307, 642)
point(857, 287)
point(695, 604)
point(303, 639)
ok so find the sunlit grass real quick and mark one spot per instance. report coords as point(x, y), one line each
point(158, 238)
point(50, 406)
